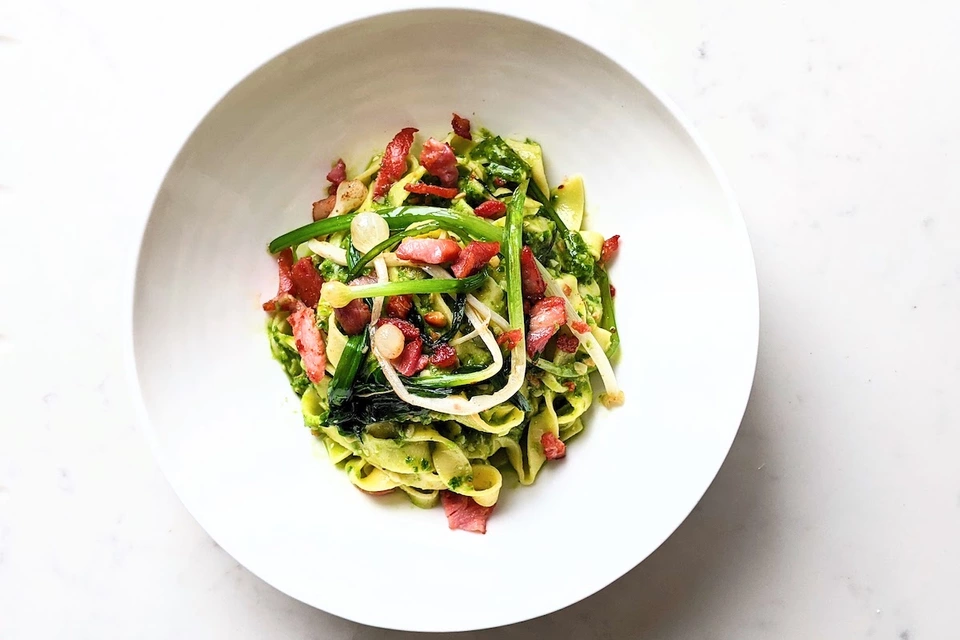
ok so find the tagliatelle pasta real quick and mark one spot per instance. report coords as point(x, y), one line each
point(461, 313)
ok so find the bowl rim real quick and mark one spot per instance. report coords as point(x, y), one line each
point(129, 293)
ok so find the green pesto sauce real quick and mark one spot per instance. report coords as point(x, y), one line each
point(472, 354)
point(330, 270)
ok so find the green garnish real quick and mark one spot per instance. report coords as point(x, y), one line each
point(609, 319)
point(341, 387)
point(462, 224)
point(574, 255)
point(338, 295)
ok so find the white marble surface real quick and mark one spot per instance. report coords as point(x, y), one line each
point(837, 514)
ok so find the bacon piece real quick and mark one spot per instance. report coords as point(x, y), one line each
point(281, 302)
point(285, 265)
point(309, 341)
point(286, 287)
point(431, 190)
point(490, 209)
point(394, 162)
point(439, 160)
point(409, 331)
point(567, 343)
point(444, 356)
point(580, 326)
point(355, 317)
point(473, 257)
point(323, 208)
point(531, 280)
point(509, 339)
point(336, 175)
point(609, 248)
point(500, 182)
point(429, 250)
point(399, 306)
point(461, 127)
point(545, 319)
point(613, 291)
point(553, 447)
point(464, 513)
point(307, 281)
point(411, 360)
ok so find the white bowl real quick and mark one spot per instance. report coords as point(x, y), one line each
point(227, 429)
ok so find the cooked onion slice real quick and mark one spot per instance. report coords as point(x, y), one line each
point(613, 396)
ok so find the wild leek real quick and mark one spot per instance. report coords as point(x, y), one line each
point(463, 224)
point(341, 387)
point(338, 295)
point(609, 319)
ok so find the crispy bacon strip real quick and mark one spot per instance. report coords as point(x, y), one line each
point(286, 287)
point(394, 162)
point(473, 257)
point(355, 317)
point(399, 306)
point(567, 343)
point(490, 209)
point(439, 160)
point(464, 513)
point(546, 318)
point(531, 280)
point(444, 356)
point(309, 341)
point(461, 127)
point(431, 190)
point(429, 250)
point(323, 208)
point(307, 281)
point(553, 447)
point(411, 360)
point(609, 248)
point(509, 339)
point(336, 175)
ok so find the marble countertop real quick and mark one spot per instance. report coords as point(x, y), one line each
point(837, 513)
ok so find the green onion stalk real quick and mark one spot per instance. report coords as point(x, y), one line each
point(338, 295)
point(341, 387)
point(513, 240)
point(609, 320)
point(463, 224)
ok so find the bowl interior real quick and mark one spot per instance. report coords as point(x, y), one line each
point(227, 429)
